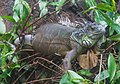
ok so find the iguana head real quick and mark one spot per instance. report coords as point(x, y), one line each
point(89, 35)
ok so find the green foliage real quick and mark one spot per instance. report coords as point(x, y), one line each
point(85, 73)
point(43, 5)
point(70, 77)
point(21, 19)
point(104, 13)
point(103, 75)
point(111, 66)
point(115, 37)
point(21, 10)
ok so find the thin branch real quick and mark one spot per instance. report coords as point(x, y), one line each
point(44, 79)
point(46, 15)
point(100, 69)
point(49, 62)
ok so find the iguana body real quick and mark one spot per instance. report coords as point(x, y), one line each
point(66, 41)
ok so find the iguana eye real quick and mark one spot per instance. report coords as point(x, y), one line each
point(92, 28)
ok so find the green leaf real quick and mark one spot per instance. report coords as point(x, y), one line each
point(70, 77)
point(21, 10)
point(3, 58)
point(103, 75)
point(90, 3)
point(5, 36)
point(117, 75)
point(2, 26)
point(26, 10)
point(116, 27)
point(9, 18)
point(115, 37)
point(114, 5)
point(105, 7)
point(111, 23)
point(27, 6)
point(99, 17)
point(43, 12)
point(85, 72)
point(24, 14)
point(54, 3)
point(107, 1)
point(14, 66)
point(15, 16)
point(43, 4)
point(111, 66)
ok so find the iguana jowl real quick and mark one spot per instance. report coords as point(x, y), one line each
point(70, 42)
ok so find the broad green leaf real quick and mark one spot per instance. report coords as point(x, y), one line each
point(9, 18)
point(2, 26)
point(103, 75)
point(115, 37)
point(42, 4)
point(70, 77)
point(15, 16)
point(25, 13)
point(43, 12)
point(105, 7)
point(27, 6)
point(111, 23)
point(16, 2)
point(117, 75)
point(113, 5)
point(99, 18)
point(111, 66)
point(116, 27)
point(85, 72)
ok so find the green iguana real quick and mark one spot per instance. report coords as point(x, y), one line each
point(66, 41)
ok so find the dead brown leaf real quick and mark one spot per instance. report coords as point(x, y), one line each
point(89, 60)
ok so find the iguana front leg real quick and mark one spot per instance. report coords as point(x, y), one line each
point(68, 58)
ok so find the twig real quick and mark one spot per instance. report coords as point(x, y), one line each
point(19, 77)
point(100, 69)
point(46, 15)
point(49, 68)
point(50, 62)
point(114, 43)
point(44, 79)
point(30, 75)
point(29, 57)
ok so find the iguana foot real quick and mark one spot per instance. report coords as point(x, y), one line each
point(66, 64)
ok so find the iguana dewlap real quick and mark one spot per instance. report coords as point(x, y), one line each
point(66, 41)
